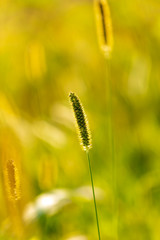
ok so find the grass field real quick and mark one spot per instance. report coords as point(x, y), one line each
point(47, 50)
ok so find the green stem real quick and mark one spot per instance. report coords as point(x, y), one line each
point(94, 198)
point(114, 169)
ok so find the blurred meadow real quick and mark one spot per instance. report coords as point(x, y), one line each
point(47, 49)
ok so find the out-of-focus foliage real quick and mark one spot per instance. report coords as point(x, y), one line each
point(47, 49)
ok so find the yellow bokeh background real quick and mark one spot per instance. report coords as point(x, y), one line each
point(47, 49)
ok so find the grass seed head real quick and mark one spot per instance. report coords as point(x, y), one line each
point(104, 26)
point(82, 122)
point(11, 178)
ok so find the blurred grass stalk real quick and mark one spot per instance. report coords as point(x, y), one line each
point(85, 139)
point(105, 37)
point(112, 154)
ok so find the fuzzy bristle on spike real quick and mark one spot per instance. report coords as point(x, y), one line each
point(81, 121)
point(12, 183)
point(104, 26)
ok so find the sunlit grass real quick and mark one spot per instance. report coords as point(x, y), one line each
point(47, 49)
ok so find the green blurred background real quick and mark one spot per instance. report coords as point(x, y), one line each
point(47, 49)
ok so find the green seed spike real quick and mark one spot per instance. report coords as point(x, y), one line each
point(82, 122)
point(85, 141)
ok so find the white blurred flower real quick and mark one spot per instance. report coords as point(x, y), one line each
point(85, 192)
point(48, 203)
point(79, 237)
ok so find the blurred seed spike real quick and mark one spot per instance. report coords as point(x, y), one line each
point(104, 26)
point(82, 122)
point(47, 173)
point(35, 61)
point(12, 181)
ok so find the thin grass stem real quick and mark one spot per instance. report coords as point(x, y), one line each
point(94, 198)
point(112, 153)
